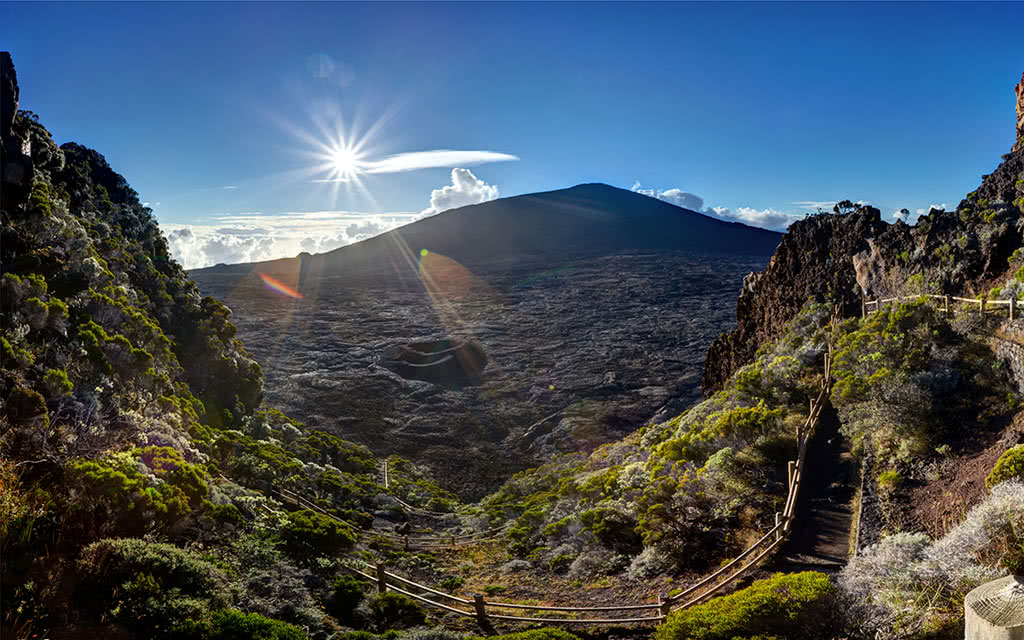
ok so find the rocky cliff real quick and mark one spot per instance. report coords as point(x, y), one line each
point(1019, 90)
point(853, 255)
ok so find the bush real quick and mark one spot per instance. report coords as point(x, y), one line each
point(785, 605)
point(308, 530)
point(393, 610)
point(347, 592)
point(235, 625)
point(147, 585)
point(888, 480)
point(57, 383)
point(452, 583)
point(1010, 465)
point(25, 405)
point(911, 581)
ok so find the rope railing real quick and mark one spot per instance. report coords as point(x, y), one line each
point(484, 610)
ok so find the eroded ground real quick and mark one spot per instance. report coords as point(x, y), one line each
point(580, 352)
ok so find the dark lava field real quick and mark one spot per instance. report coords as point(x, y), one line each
point(579, 352)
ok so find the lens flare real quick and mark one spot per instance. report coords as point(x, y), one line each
point(276, 285)
point(346, 162)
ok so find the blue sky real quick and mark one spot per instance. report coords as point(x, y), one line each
point(216, 111)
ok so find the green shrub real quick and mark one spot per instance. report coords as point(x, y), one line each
point(561, 562)
point(146, 585)
point(1010, 465)
point(25, 405)
point(494, 589)
point(8, 358)
point(788, 606)
point(57, 383)
point(307, 530)
point(393, 610)
point(452, 583)
point(235, 625)
point(888, 480)
point(346, 594)
point(114, 496)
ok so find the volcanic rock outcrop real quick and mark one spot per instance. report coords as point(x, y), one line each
point(847, 257)
point(1019, 90)
point(452, 364)
point(15, 148)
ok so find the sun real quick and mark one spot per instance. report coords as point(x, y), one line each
point(345, 162)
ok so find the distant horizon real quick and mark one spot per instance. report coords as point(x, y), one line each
point(260, 130)
point(418, 218)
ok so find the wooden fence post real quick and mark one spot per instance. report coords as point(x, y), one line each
point(863, 307)
point(664, 605)
point(981, 306)
point(790, 473)
point(385, 474)
point(945, 305)
point(481, 614)
point(778, 521)
point(405, 542)
point(1013, 304)
point(382, 580)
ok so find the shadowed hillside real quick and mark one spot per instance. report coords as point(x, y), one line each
point(585, 219)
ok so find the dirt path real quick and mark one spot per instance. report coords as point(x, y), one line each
point(820, 540)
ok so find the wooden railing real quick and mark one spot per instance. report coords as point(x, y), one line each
point(485, 611)
point(949, 304)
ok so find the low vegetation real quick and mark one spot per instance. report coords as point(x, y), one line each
point(676, 495)
point(914, 585)
point(786, 606)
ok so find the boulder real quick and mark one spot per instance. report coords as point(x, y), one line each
point(447, 362)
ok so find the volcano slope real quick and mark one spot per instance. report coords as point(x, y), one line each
point(593, 306)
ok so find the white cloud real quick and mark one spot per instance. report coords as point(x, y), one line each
point(439, 158)
point(922, 212)
point(901, 214)
point(465, 189)
point(765, 218)
point(252, 237)
point(677, 197)
point(229, 187)
point(814, 205)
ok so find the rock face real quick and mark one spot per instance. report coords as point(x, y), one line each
point(1007, 343)
point(1019, 90)
point(812, 261)
point(845, 257)
point(8, 94)
point(15, 147)
point(452, 364)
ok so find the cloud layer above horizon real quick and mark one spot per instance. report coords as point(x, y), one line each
point(766, 218)
point(256, 236)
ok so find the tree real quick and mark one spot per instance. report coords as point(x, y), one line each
point(844, 207)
